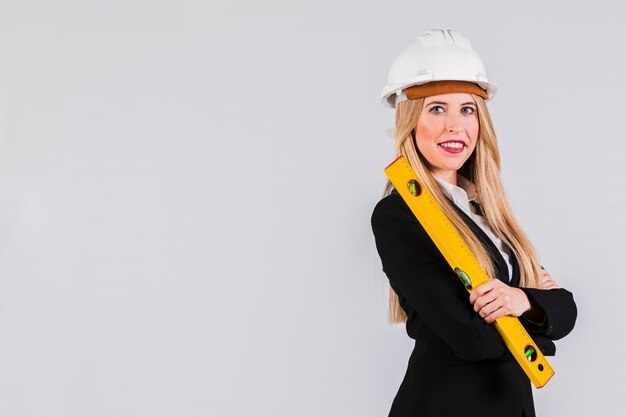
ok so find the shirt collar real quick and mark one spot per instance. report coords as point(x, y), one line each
point(468, 186)
point(462, 194)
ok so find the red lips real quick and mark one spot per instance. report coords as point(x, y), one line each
point(453, 150)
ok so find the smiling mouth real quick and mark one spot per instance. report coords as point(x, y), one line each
point(453, 146)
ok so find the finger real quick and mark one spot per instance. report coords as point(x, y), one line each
point(549, 284)
point(505, 307)
point(482, 289)
point(495, 315)
point(490, 308)
point(483, 300)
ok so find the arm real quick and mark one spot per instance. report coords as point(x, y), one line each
point(553, 312)
point(417, 269)
point(548, 313)
point(560, 311)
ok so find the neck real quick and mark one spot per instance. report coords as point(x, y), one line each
point(447, 176)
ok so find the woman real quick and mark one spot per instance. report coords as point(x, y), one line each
point(460, 366)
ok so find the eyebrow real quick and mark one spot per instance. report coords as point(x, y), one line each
point(443, 102)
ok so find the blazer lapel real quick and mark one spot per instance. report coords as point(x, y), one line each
point(515, 278)
point(502, 270)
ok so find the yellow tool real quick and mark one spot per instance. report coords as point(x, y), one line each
point(465, 265)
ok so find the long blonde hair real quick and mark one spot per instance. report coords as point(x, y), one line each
point(483, 169)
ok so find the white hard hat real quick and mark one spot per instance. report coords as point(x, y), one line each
point(437, 55)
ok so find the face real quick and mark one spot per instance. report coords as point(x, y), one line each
point(446, 132)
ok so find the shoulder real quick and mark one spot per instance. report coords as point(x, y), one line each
point(392, 216)
point(388, 207)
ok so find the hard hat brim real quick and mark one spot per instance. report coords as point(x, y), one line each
point(391, 92)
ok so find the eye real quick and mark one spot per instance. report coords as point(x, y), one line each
point(468, 110)
point(436, 109)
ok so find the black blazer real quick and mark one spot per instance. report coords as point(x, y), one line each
point(460, 366)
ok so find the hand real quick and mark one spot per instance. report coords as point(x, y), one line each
point(495, 299)
point(546, 282)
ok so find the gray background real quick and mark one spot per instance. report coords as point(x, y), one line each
point(186, 187)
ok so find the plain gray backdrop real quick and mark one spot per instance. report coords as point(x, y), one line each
point(186, 190)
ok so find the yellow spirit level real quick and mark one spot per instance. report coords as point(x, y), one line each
point(465, 265)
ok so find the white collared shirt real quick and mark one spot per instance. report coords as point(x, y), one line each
point(461, 196)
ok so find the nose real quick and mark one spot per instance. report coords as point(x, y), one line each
point(453, 124)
